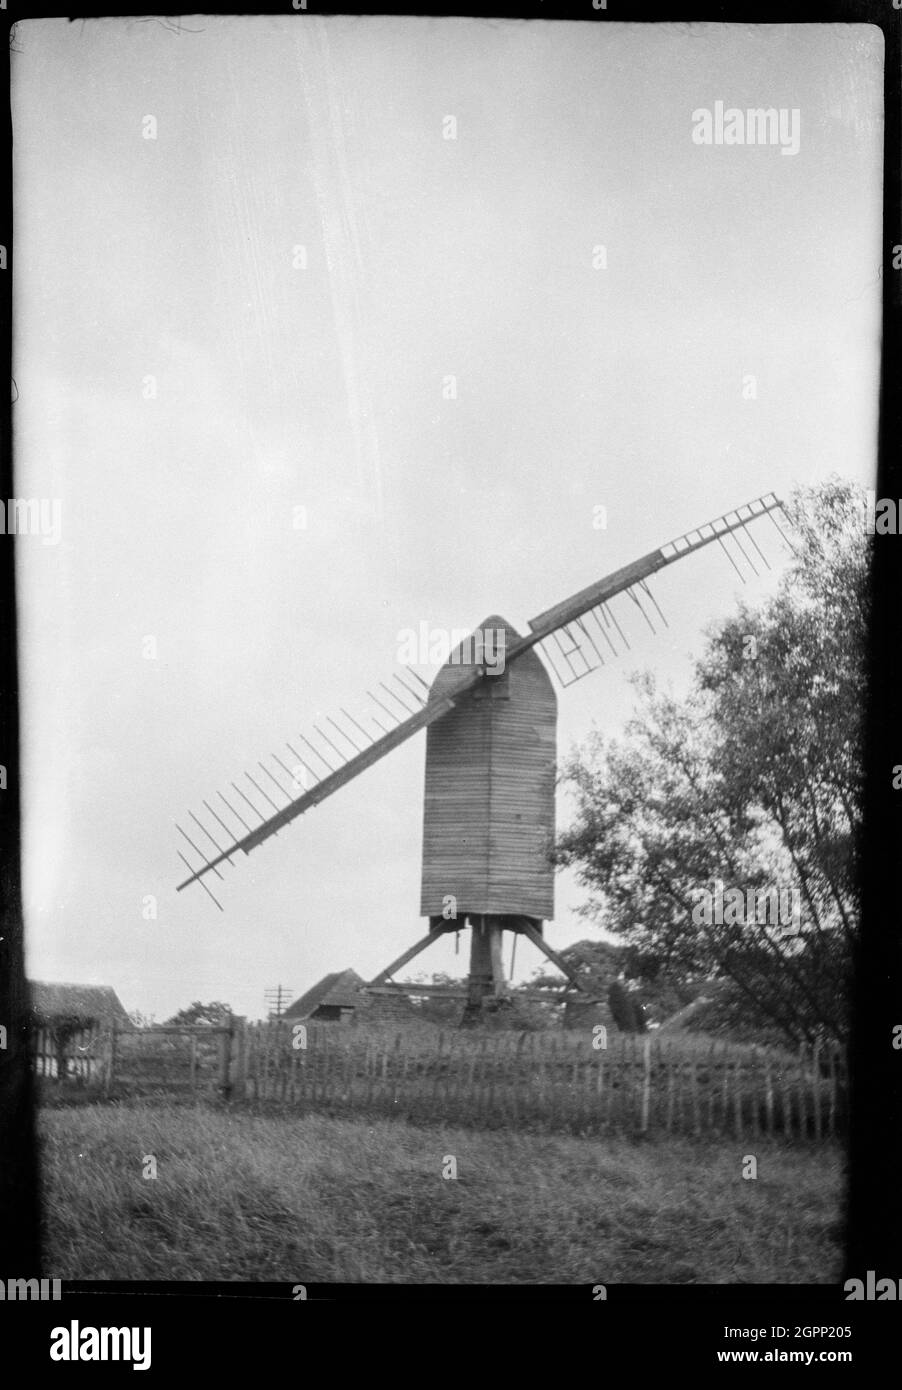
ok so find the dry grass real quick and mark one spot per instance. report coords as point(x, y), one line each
point(314, 1199)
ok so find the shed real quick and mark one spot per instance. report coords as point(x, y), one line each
point(71, 1024)
point(334, 999)
point(57, 1006)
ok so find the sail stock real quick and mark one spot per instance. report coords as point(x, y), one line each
point(571, 636)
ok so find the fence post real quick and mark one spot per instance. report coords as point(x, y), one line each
point(395, 1069)
point(738, 1064)
point(240, 1085)
point(712, 1087)
point(111, 1065)
point(768, 1096)
point(754, 1083)
point(816, 1087)
point(646, 1085)
point(225, 1056)
point(786, 1097)
point(599, 1088)
point(693, 1092)
point(803, 1100)
point(725, 1090)
point(834, 1069)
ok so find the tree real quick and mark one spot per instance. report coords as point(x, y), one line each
point(632, 981)
point(626, 1010)
point(212, 1014)
point(753, 783)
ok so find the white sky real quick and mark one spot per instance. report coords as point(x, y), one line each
point(280, 387)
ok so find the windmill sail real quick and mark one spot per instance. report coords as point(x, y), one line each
point(584, 626)
point(574, 636)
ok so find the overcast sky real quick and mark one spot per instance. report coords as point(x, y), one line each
point(296, 263)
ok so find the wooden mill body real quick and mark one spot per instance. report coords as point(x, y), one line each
point(488, 819)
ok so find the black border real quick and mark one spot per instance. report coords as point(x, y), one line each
point(875, 1192)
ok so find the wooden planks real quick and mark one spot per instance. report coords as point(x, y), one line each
point(488, 820)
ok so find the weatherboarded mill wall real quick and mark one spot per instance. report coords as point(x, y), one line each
point(489, 806)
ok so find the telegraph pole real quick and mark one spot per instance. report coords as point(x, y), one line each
point(276, 1000)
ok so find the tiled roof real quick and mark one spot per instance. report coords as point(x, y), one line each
point(339, 989)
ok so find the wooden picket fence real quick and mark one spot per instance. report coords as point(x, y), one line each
point(552, 1080)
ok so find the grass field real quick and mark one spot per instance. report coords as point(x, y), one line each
point(313, 1199)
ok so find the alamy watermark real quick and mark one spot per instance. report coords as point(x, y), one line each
point(881, 515)
point(43, 1290)
point(32, 516)
point(77, 1343)
point(436, 645)
point(754, 126)
point(877, 1290)
point(717, 906)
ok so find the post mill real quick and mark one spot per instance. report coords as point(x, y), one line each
point(489, 814)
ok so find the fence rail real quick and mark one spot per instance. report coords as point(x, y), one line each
point(558, 1081)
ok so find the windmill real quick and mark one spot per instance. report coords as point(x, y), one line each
point(490, 716)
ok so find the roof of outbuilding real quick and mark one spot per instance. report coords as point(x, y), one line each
point(340, 989)
point(53, 1001)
